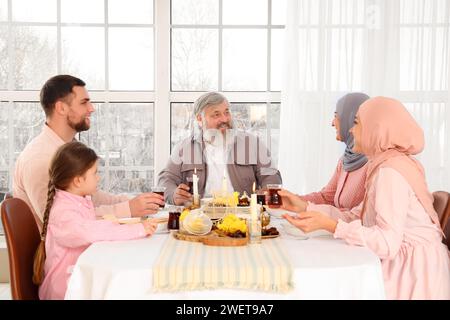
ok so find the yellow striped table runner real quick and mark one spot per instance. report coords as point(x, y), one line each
point(184, 265)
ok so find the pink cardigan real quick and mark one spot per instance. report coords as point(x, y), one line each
point(345, 190)
point(71, 229)
point(395, 226)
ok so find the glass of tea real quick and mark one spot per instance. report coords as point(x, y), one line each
point(190, 184)
point(174, 217)
point(275, 200)
point(261, 197)
point(160, 191)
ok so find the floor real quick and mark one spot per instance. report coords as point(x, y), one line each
point(5, 292)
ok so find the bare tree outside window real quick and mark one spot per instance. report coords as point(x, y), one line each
point(34, 56)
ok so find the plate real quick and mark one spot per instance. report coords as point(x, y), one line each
point(197, 223)
point(162, 228)
point(277, 213)
point(270, 236)
point(160, 220)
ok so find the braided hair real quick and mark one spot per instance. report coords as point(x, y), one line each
point(71, 160)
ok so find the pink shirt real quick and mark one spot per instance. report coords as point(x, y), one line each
point(71, 229)
point(396, 227)
point(31, 179)
point(345, 190)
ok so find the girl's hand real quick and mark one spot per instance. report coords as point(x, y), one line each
point(292, 202)
point(311, 221)
point(150, 226)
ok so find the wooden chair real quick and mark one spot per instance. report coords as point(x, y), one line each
point(442, 206)
point(8, 195)
point(22, 240)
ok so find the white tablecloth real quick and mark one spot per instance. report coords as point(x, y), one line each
point(324, 268)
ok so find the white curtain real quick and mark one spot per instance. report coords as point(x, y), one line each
point(394, 48)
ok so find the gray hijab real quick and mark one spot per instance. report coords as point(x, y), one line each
point(346, 109)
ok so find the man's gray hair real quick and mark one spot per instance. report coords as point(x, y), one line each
point(208, 99)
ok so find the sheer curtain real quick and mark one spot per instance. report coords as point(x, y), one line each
point(395, 48)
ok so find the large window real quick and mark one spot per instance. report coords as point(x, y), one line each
point(110, 45)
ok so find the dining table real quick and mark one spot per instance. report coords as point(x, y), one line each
point(322, 268)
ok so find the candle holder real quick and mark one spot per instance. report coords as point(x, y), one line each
point(265, 218)
point(196, 203)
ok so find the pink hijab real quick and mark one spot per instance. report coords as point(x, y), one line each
point(389, 136)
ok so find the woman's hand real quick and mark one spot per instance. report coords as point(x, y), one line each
point(309, 221)
point(292, 202)
point(150, 226)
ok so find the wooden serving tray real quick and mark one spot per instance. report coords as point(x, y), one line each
point(212, 239)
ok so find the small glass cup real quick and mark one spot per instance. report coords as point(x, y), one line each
point(160, 191)
point(261, 197)
point(275, 200)
point(190, 184)
point(174, 217)
point(254, 231)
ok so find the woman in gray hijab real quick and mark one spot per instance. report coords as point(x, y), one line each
point(346, 188)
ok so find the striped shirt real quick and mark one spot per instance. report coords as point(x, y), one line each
point(345, 190)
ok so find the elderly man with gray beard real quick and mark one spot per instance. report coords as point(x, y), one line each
point(218, 152)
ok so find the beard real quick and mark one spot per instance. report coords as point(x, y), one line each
point(218, 138)
point(80, 126)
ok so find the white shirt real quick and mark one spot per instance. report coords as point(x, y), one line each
point(216, 159)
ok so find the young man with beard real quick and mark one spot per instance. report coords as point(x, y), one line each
point(67, 108)
point(218, 153)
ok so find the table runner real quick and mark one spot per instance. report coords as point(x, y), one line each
point(184, 265)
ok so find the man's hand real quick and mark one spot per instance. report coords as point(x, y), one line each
point(311, 221)
point(292, 202)
point(181, 195)
point(145, 203)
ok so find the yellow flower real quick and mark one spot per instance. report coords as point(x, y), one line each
point(231, 224)
point(184, 213)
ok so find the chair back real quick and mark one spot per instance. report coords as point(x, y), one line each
point(22, 239)
point(442, 206)
point(7, 195)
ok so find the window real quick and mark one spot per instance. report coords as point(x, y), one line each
point(121, 134)
point(226, 45)
point(110, 46)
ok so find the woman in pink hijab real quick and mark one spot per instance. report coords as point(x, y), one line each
point(396, 219)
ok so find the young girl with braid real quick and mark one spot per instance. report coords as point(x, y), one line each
point(70, 223)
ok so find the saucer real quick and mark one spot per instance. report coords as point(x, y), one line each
point(277, 213)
